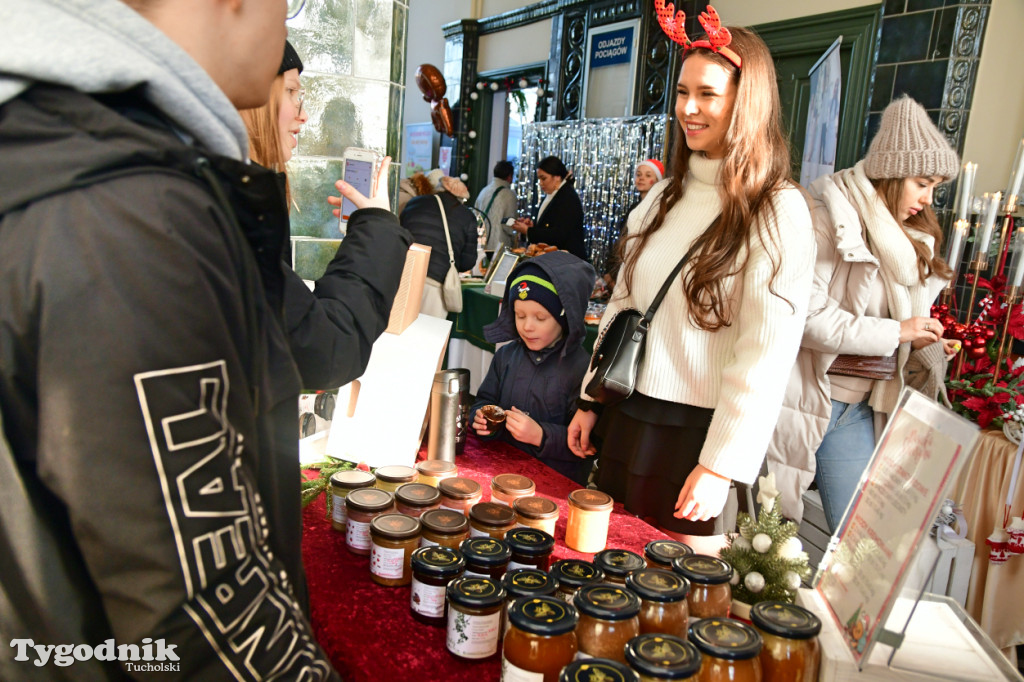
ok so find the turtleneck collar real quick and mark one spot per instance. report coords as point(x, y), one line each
point(704, 169)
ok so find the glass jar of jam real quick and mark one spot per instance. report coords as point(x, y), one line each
point(530, 548)
point(608, 620)
point(540, 641)
point(710, 594)
point(662, 657)
point(432, 569)
point(507, 488)
point(363, 505)
point(572, 574)
point(391, 477)
point(412, 499)
point(536, 512)
point(526, 582)
point(342, 483)
point(661, 553)
point(459, 494)
point(618, 563)
point(474, 617)
point(394, 538)
point(485, 557)
point(790, 634)
point(591, 669)
point(443, 527)
point(589, 514)
point(729, 650)
point(663, 606)
point(489, 519)
point(433, 471)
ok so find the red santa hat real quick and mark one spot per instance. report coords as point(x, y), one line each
point(657, 166)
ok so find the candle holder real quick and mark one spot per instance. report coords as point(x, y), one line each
point(1011, 299)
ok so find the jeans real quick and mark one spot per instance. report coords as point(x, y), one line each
point(842, 457)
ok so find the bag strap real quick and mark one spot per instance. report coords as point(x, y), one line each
point(494, 196)
point(668, 283)
point(447, 237)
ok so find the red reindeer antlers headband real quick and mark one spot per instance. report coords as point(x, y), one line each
point(674, 25)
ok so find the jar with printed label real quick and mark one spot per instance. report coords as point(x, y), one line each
point(526, 582)
point(394, 538)
point(662, 657)
point(475, 608)
point(710, 594)
point(536, 512)
point(432, 569)
point(485, 557)
point(609, 618)
point(443, 527)
point(391, 477)
point(572, 574)
point(413, 499)
point(342, 483)
point(617, 564)
point(589, 514)
point(661, 553)
point(489, 519)
point(540, 641)
point(363, 506)
point(507, 488)
point(590, 669)
point(459, 494)
point(530, 548)
point(729, 650)
point(790, 634)
point(433, 471)
point(663, 607)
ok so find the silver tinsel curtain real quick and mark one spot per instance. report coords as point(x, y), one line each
point(602, 154)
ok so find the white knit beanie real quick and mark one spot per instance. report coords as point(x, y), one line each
point(908, 145)
point(434, 178)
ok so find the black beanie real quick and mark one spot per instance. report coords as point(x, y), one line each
point(291, 59)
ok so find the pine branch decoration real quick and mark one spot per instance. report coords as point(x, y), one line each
point(312, 488)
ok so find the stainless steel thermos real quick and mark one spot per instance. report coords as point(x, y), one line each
point(449, 414)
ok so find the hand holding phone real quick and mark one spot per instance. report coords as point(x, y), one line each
point(377, 198)
point(359, 169)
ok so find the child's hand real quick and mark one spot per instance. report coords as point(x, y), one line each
point(522, 427)
point(480, 424)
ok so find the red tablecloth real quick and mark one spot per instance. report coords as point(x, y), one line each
point(367, 630)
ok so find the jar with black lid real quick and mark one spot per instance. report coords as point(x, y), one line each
point(485, 557)
point(490, 519)
point(663, 607)
point(530, 548)
point(432, 569)
point(729, 650)
point(526, 582)
point(618, 563)
point(662, 657)
point(590, 669)
point(475, 607)
point(661, 553)
point(394, 538)
point(413, 499)
point(443, 527)
point(791, 651)
point(710, 594)
point(342, 483)
point(364, 505)
point(572, 574)
point(391, 477)
point(540, 641)
point(459, 493)
point(608, 620)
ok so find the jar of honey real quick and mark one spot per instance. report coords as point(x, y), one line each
point(608, 620)
point(618, 563)
point(459, 494)
point(394, 538)
point(443, 527)
point(572, 574)
point(363, 506)
point(661, 553)
point(432, 569)
point(526, 582)
point(485, 557)
point(729, 650)
point(710, 594)
point(589, 514)
point(342, 483)
point(662, 657)
point(591, 669)
point(507, 488)
point(489, 519)
point(536, 512)
point(390, 477)
point(790, 634)
point(663, 607)
point(412, 499)
point(433, 471)
point(541, 639)
point(530, 548)
point(475, 608)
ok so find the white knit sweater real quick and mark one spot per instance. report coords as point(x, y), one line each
point(740, 370)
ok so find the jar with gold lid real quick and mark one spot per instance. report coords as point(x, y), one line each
point(729, 650)
point(608, 620)
point(663, 607)
point(791, 651)
point(475, 607)
point(433, 471)
point(432, 569)
point(507, 488)
point(489, 519)
point(536, 512)
point(412, 499)
point(589, 514)
point(459, 494)
point(485, 557)
point(394, 538)
point(391, 477)
point(530, 548)
point(363, 506)
point(618, 563)
point(342, 483)
point(658, 657)
point(540, 641)
point(591, 669)
point(443, 527)
point(710, 594)
point(572, 574)
point(661, 553)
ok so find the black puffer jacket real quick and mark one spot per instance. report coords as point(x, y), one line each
point(422, 218)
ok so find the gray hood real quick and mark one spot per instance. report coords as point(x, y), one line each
point(102, 46)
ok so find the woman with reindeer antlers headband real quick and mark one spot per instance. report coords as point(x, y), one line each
point(720, 348)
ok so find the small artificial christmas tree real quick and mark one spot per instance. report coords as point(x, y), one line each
point(767, 558)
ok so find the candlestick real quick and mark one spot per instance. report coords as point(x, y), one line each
point(956, 245)
point(1011, 298)
point(1016, 178)
point(965, 190)
point(1017, 261)
point(983, 235)
point(989, 221)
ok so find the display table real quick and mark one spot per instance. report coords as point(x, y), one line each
point(368, 631)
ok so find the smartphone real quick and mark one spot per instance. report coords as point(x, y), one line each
point(359, 169)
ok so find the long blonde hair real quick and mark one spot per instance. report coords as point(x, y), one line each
point(264, 133)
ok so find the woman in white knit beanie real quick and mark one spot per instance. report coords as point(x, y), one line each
point(876, 277)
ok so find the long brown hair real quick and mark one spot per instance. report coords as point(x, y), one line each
point(891, 192)
point(756, 165)
point(264, 133)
